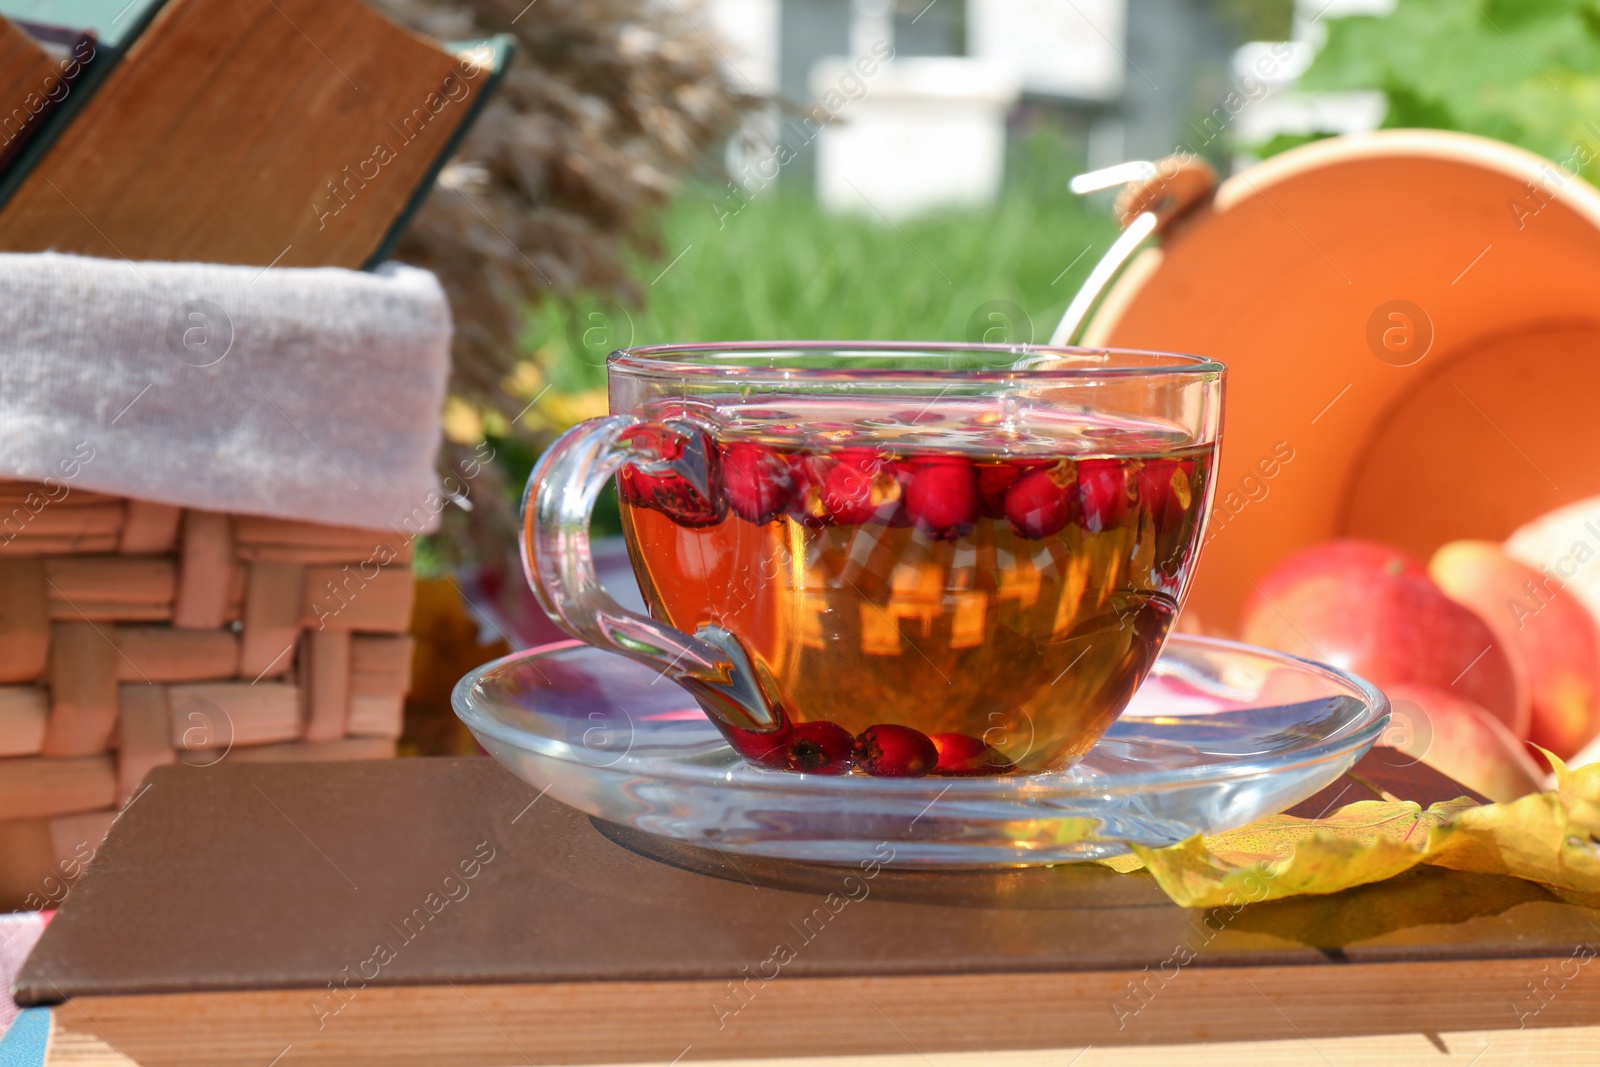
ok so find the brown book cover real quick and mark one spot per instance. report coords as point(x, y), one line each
point(289, 132)
point(26, 70)
point(346, 909)
point(38, 66)
point(24, 67)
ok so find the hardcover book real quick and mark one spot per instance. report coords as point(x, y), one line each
point(262, 132)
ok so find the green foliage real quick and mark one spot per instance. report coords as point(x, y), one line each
point(1285, 141)
point(1522, 71)
point(1262, 20)
point(773, 265)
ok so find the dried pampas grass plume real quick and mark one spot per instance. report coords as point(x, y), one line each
point(607, 106)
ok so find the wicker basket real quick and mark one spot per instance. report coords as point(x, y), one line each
point(134, 634)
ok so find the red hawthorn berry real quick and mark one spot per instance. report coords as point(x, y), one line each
point(819, 747)
point(1164, 487)
point(765, 748)
point(942, 498)
point(758, 482)
point(670, 493)
point(899, 516)
point(967, 756)
point(891, 485)
point(994, 480)
point(1102, 493)
point(1039, 504)
point(889, 751)
point(806, 475)
point(858, 486)
point(630, 487)
point(672, 496)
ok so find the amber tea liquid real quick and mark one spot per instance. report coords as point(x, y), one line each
point(962, 590)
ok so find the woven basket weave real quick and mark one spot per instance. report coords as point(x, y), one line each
point(134, 634)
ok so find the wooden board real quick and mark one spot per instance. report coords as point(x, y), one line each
point(927, 1022)
point(73, 1044)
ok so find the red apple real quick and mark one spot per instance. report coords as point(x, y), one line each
point(1374, 610)
point(1345, 554)
point(1460, 739)
point(1551, 629)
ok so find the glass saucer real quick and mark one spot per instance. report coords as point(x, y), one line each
point(1220, 734)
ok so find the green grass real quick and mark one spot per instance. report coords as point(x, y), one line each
point(780, 268)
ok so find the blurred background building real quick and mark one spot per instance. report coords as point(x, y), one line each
point(1117, 79)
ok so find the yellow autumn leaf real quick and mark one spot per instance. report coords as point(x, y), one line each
point(1126, 863)
point(1550, 838)
point(1283, 856)
point(1543, 837)
point(1579, 791)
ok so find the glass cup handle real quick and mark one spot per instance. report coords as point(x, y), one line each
point(556, 508)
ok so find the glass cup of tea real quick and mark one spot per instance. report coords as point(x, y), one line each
point(889, 559)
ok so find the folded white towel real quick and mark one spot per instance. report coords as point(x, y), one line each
point(309, 394)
